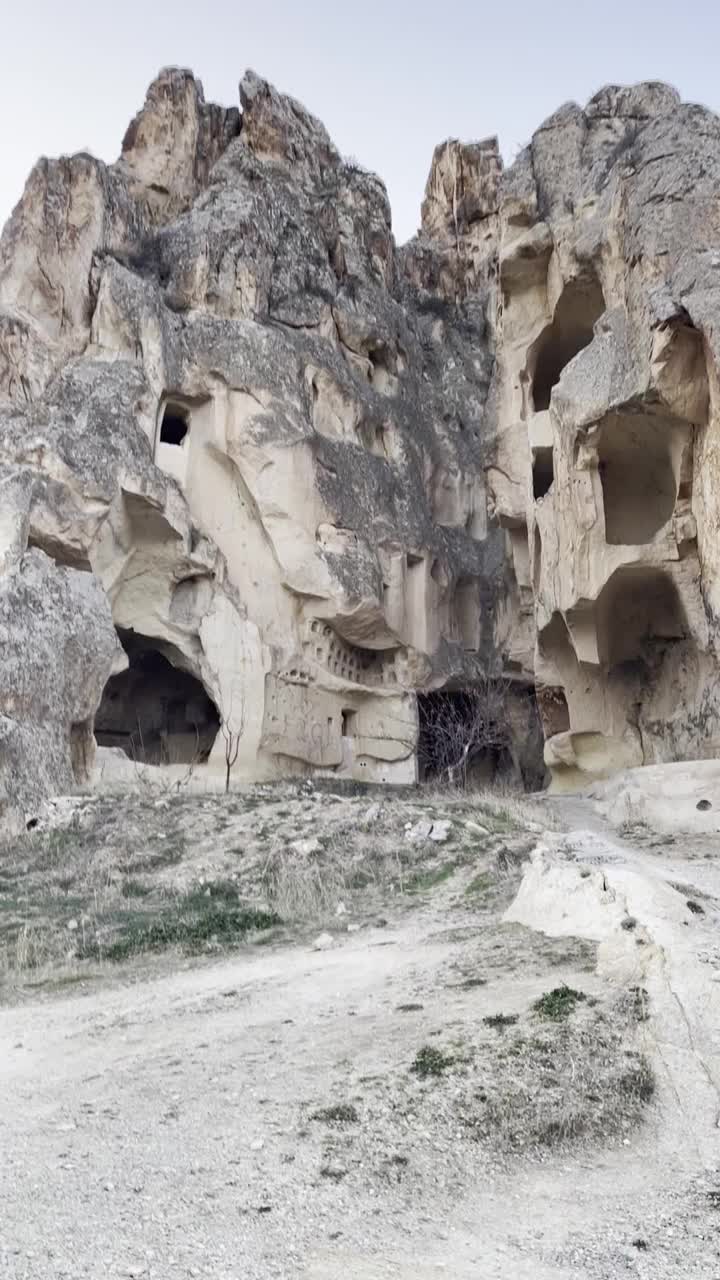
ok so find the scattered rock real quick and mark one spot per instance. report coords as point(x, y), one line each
point(440, 831)
point(476, 828)
point(306, 847)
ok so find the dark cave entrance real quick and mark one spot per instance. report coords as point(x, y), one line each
point(543, 472)
point(463, 738)
point(155, 711)
point(175, 424)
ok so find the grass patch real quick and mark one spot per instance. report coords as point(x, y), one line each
point(422, 881)
point(499, 1021)
point(579, 1083)
point(558, 1004)
point(338, 1113)
point(215, 892)
point(430, 1061)
point(480, 884)
point(638, 1083)
point(169, 855)
point(191, 926)
point(132, 888)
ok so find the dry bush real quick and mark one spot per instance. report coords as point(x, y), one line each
point(554, 1082)
point(459, 728)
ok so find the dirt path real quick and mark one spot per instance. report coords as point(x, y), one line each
point(164, 1127)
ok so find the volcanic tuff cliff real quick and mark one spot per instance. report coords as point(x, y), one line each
point(261, 466)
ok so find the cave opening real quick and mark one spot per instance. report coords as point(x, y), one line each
point(463, 736)
point(155, 711)
point(543, 471)
point(580, 305)
point(537, 560)
point(175, 424)
point(637, 476)
point(639, 615)
point(349, 723)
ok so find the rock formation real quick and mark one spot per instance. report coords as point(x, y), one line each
point(266, 474)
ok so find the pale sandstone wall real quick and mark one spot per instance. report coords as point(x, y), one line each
point(492, 451)
point(316, 547)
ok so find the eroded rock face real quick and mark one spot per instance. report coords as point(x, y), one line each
point(608, 244)
point(316, 475)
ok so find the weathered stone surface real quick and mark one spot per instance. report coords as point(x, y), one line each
point(57, 645)
point(320, 475)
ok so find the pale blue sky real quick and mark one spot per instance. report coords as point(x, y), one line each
point(389, 80)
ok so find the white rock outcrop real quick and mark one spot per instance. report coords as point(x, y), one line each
point(262, 469)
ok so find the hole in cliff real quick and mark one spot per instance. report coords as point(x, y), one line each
point(175, 424)
point(581, 303)
point(543, 471)
point(537, 560)
point(463, 736)
point(639, 614)
point(157, 712)
point(637, 476)
point(349, 723)
point(553, 708)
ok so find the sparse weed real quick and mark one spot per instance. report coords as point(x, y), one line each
point(558, 1004)
point(499, 1021)
point(430, 1061)
point(337, 1113)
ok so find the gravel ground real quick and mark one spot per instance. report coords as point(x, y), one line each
point(261, 1113)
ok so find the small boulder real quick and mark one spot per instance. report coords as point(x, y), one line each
point(306, 847)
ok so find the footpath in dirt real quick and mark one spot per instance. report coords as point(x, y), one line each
point(463, 1038)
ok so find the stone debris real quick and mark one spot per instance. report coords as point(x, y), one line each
point(427, 829)
point(305, 848)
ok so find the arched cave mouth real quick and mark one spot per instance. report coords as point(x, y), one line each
point(155, 711)
point(580, 305)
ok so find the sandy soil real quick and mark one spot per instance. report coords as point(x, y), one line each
point(164, 1122)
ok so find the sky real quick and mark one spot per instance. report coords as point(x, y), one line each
point(389, 80)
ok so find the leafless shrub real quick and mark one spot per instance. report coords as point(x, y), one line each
point(458, 729)
point(232, 727)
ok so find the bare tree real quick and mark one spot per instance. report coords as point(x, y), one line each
point(458, 728)
point(232, 728)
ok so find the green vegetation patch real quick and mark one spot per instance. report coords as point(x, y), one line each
point(424, 880)
point(558, 1004)
point(191, 925)
point(430, 1061)
point(499, 1021)
point(338, 1113)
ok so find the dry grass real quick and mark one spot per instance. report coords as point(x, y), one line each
point(518, 1084)
point(121, 866)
